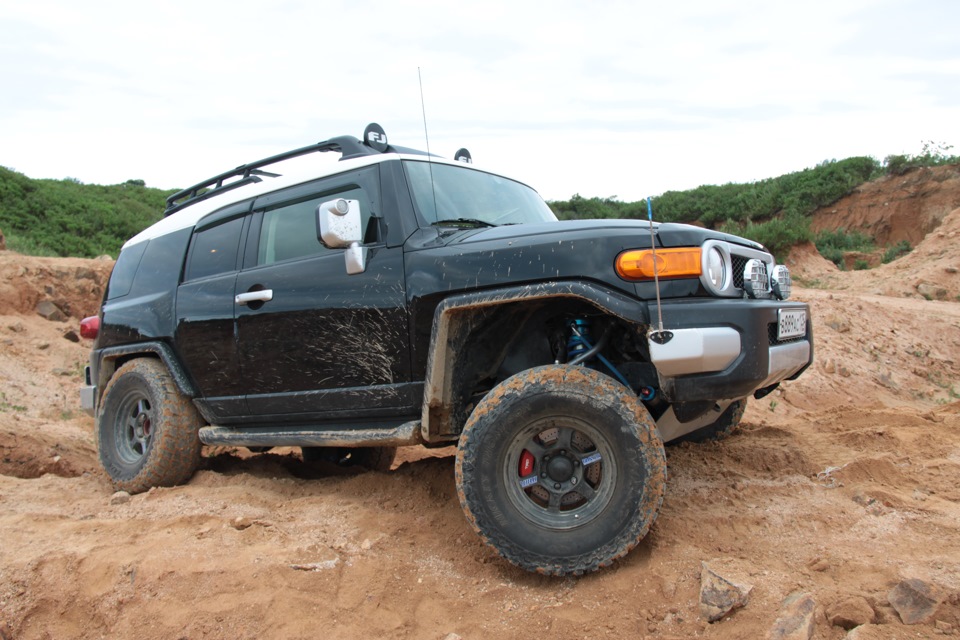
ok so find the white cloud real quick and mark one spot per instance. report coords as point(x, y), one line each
point(614, 98)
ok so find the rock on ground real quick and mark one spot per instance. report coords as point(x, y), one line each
point(850, 613)
point(796, 618)
point(915, 600)
point(718, 595)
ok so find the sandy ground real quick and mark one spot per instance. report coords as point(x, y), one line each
point(840, 484)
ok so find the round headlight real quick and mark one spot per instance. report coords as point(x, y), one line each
point(755, 280)
point(780, 282)
point(716, 270)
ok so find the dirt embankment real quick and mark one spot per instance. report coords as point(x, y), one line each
point(894, 208)
point(839, 485)
point(922, 208)
point(931, 270)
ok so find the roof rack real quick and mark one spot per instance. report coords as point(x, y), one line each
point(348, 146)
point(251, 172)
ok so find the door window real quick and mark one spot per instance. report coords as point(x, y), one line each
point(214, 250)
point(289, 231)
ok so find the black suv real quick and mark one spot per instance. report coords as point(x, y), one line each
point(403, 299)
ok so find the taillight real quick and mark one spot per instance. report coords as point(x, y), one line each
point(90, 327)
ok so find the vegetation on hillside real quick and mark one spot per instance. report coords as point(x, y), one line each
point(775, 212)
point(68, 218)
point(833, 244)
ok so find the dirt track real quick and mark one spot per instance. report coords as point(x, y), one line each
point(840, 485)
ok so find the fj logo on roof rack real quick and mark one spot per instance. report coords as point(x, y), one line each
point(375, 137)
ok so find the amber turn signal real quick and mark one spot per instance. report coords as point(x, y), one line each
point(637, 264)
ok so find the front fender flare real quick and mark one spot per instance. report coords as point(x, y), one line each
point(452, 323)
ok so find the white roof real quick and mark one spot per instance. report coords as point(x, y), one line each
point(189, 216)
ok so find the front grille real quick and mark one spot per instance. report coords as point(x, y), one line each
point(739, 263)
point(736, 257)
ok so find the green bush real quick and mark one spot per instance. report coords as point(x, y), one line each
point(933, 154)
point(68, 218)
point(900, 249)
point(777, 234)
point(833, 244)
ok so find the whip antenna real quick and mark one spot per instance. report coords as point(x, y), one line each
point(659, 336)
point(423, 108)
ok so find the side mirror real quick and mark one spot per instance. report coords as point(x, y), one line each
point(338, 226)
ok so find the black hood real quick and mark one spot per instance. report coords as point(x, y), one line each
point(520, 254)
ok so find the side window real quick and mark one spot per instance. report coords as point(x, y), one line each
point(214, 250)
point(121, 280)
point(290, 230)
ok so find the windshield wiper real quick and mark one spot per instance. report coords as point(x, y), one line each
point(465, 221)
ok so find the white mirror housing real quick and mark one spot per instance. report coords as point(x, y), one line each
point(338, 223)
point(356, 258)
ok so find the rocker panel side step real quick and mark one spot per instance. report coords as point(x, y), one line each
point(407, 433)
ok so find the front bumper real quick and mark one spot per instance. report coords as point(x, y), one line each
point(726, 348)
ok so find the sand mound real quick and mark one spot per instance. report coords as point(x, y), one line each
point(839, 484)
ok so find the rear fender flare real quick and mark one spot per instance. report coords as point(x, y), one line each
point(106, 365)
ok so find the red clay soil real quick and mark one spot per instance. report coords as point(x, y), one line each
point(840, 484)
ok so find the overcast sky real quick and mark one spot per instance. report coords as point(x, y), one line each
point(623, 99)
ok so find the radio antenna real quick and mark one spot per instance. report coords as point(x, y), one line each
point(423, 108)
point(659, 336)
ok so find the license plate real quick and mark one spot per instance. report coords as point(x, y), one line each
point(792, 323)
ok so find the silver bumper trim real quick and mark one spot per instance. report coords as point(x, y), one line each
point(785, 360)
point(699, 350)
point(671, 428)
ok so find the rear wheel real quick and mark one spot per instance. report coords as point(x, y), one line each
point(560, 470)
point(147, 430)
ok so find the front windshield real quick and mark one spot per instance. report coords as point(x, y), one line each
point(458, 195)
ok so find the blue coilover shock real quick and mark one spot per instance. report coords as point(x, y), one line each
point(580, 344)
point(579, 340)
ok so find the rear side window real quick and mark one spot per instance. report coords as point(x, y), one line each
point(124, 270)
point(214, 250)
point(290, 230)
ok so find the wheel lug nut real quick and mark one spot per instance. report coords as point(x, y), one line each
point(563, 452)
point(556, 485)
point(543, 474)
point(573, 481)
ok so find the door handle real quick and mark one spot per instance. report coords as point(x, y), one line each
point(263, 295)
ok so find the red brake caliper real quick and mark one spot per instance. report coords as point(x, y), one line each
point(526, 463)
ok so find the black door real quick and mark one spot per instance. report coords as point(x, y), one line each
point(205, 335)
point(315, 343)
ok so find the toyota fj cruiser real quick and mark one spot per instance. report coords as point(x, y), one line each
point(403, 299)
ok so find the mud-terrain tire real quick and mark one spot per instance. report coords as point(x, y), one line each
point(147, 430)
point(722, 427)
point(372, 458)
point(560, 469)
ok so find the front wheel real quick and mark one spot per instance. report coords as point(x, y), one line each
point(560, 470)
point(147, 430)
